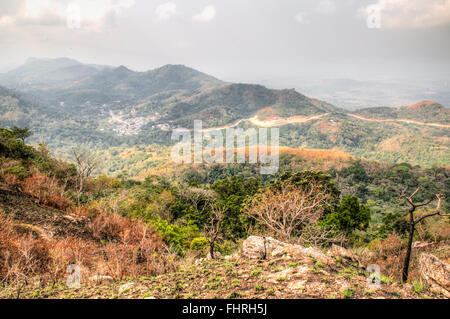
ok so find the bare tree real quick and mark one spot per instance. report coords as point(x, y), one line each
point(413, 222)
point(86, 163)
point(288, 211)
point(214, 229)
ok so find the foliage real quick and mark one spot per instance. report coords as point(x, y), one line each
point(232, 194)
point(350, 216)
point(177, 237)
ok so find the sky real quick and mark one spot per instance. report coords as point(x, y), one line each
point(237, 40)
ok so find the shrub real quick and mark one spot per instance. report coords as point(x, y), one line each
point(199, 244)
point(19, 171)
point(178, 237)
point(388, 254)
point(46, 190)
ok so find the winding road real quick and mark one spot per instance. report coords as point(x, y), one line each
point(359, 117)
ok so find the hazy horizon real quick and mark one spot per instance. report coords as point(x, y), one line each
point(235, 40)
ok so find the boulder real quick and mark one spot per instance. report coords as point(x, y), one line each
point(422, 245)
point(254, 247)
point(338, 251)
point(126, 287)
point(436, 273)
point(257, 247)
point(298, 251)
point(297, 285)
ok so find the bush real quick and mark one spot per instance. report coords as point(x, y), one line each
point(46, 190)
point(119, 247)
point(178, 237)
point(19, 171)
point(199, 244)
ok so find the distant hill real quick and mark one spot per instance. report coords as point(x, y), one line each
point(356, 94)
point(14, 109)
point(106, 107)
point(47, 73)
point(423, 111)
point(122, 81)
point(233, 102)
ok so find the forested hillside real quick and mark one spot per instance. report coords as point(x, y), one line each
point(53, 213)
point(67, 103)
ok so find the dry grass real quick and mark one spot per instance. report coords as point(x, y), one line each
point(118, 247)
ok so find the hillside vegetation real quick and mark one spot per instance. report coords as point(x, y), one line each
point(148, 238)
point(67, 103)
point(423, 111)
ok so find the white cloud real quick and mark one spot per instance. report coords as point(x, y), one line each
point(326, 7)
point(92, 15)
point(411, 14)
point(208, 13)
point(166, 10)
point(301, 18)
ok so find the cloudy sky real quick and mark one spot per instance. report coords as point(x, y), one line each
point(237, 40)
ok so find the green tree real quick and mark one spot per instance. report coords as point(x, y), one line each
point(350, 216)
point(232, 193)
point(21, 133)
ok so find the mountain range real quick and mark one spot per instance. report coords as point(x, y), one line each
point(67, 103)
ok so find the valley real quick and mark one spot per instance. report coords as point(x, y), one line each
point(104, 107)
point(224, 159)
point(93, 184)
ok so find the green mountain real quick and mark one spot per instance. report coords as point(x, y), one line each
point(423, 111)
point(227, 104)
point(123, 82)
point(104, 107)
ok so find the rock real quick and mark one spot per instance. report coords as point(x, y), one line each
point(298, 251)
point(256, 247)
point(422, 244)
point(100, 278)
point(297, 285)
point(436, 273)
point(151, 297)
point(217, 255)
point(289, 274)
point(338, 251)
point(316, 254)
point(126, 287)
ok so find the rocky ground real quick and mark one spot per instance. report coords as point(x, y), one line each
point(262, 268)
point(288, 271)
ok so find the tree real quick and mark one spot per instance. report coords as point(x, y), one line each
point(413, 222)
point(232, 193)
point(21, 133)
point(86, 163)
point(306, 179)
point(350, 216)
point(214, 229)
point(286, 212)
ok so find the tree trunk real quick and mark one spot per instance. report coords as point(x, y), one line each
point(211, 249)
point(408, 253)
